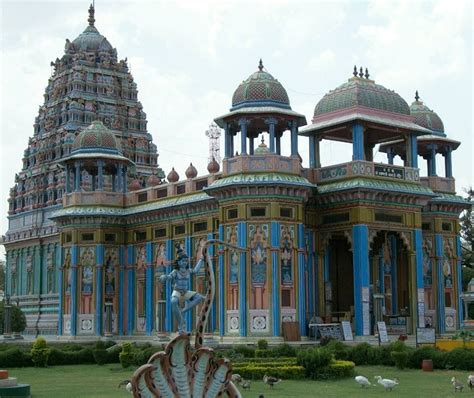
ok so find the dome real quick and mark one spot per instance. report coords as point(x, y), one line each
point(91, 40)
point(96, 138)
point(135, 185)
point(260, 89)
point(360, 91)
point(425, 117)
point(173, 176)
point(262, 148)
point(213, 166)
point(191, 171)
point(153, 180)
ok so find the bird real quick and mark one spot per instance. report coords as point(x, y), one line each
point(387, 383)
point(363, 381)
point(458, 386)
point(470, 381)
point(270, 380)
point(127, 384)
point(236, 378)
point(245, 384)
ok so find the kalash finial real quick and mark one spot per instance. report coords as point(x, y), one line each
point(361, 72)
point(417, 97)
point(91, 15)
point(355, 71)
point(367, 73)
point(260, 65)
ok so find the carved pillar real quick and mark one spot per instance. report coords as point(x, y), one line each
point(271, 122)
point(100, 175)
point(243, 123)
point(294, 138)
point(357, 142)
point(360, 253)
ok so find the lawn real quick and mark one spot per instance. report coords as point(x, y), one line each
point(102, 381)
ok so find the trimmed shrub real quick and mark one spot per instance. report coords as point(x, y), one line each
point(126, 357)
point(100, 356)
point(284, 350)
point(438, 357)
point(363, 354)
point(267, 361)
point(337, 370)
point(338, 349)
point(313, 360)
point(256, 372)
point(15, 358)
point(40, 353)
point(263, 353)
point(460, 359)
point(262, 344)
point(18, 320)
point(400, 358)
point(246, 352)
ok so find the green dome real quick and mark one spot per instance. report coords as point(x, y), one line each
point(425, 117)
point(96, 138)
point(361, 92)
point(260, 89)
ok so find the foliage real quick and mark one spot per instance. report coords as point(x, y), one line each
point(337, 370)
point(15, 357)
point(126, 357)
point(339, 349)
point(256, 372)
point(467, 231)
point(460, 359)
point(262, 344)
point(263, 353)
point(18, 321)
point(362, 354)
point(325, 340)
point(40, 353)
point(465, 335)
point(438, 357)
point(400, 358)
point(100, 356)
point(313, 360)
point(284, 350)
point(246, 352)
point(71, 357)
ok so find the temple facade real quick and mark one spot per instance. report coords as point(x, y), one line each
point(94, 223)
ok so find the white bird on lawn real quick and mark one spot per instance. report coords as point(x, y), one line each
point(270, 380)
point(387, 383)
point(458, 386)
point(363, 381)
point(470, 381)
point(127, 384)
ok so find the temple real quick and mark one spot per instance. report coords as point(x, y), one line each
point(94, 223)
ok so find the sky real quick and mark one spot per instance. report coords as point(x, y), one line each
point(188, 57)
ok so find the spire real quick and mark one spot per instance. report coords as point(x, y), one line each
point(355, 71)
point(361, 72)
point(91, 15)
point(417, 97)
point(260, 65)
point(366, 73)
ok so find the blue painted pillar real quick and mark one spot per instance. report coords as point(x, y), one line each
point(420, 287)
point(221, 285)
point(381, 276)
point(243, 123)
point(100, 175)
point(432, 149)
point(393, 270)
point(271, 122)
point(189, 251)
point(327, 258)
point(121, 292)
point(428, 165)
point(390, 155)
point(294, 138)
point(440, 284)
point(312, 296)
point(68, 179)
point(212, 316)
point(169, 311)
point(149, 290)
point(360, 253)
point(301, 281)
point(124, 180)
point(59, 266)
point(242, 238)
point(275, 249)
point(357, 142)
point(414, 151)
point(459, 289)
point(130, 289)
point(74, 258)
point(77, 176)
point(278, 144)
point(99, 305)
point(227, 138)
point(448, 163)
point(312, 159)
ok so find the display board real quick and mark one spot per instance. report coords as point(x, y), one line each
point(347, 330)
point(333, 330)
point(425, 336)
point(382, 328)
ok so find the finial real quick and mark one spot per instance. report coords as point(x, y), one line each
point(361, 72)
point(260, 65)
point(417, 97)
point(355, 71)
point(91, 15)
point(366, 73)
point(262, 140)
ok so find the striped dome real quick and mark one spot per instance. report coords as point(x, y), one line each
point(96, 138)
point(425, 117)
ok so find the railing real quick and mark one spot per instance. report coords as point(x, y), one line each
point(94, 198)
point(269, 162)
point(439, 184)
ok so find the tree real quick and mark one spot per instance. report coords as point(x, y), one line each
point(467, 231)
point(2, 275)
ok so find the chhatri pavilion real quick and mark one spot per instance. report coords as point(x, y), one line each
point(94, 222)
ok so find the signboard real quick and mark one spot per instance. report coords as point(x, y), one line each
point(425, 336)
point(382, 328)
point(333, 330)
point(388, 171)
point(347, 330)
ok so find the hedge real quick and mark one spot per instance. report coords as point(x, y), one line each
point(337, 370)
point(256, 372)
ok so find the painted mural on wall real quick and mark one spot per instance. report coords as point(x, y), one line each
point(427, 263)
point(287, 236)
point(50, 265)
point(160, 256)
point(14, 268)
point(67, 269)
point(29, 274)
point(447, 265)
point(87, 261)
point(111, 261)
point(258, 234)
point(231, 237)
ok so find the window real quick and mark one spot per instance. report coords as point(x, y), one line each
point(201, 184)
point(87, 237)
point(161, 193)
point(286, 298)
point(142, 197)
point(110, 238)
point(200, 226)
point(286, 212)
point(446, 226)
point(179, 229)
point(335, 218)
point(180, 189)
point(388, 217)
point(426, 226)
point(140, 236)
point(232, 213)
point(68, 237)
point(160, 233)
point(258, 212)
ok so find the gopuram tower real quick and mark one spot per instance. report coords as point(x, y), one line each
point(88, 84)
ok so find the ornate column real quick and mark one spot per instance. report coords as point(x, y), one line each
point(278, 143)
point(420, 287)
point(130, 289)
point(294, 138)
point(121, 290)
point(188, 316)
point(60, 292)
point(99, 308)
point(432, 148)
point(149, 289)
point(390, 155)
point(74, 256)
point(458, 291)
point(275, 249)
point(440, 307)
point(242, 241)
point(393, 271)
point(243, 123)
point(221, 285)
point(414, 150)
point(357, 142)
point(251, 145)
point(301, 281)
point(360, 253)
point(68, 179)
point(124, 179)
point(311, 273)
point(448, 166)
point(100, 175)
point(77, 176)
point(271, 122)
point(211, 327)
point(169, 311)
point(227, 139)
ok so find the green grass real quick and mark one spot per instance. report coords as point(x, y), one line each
point(102, 381)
